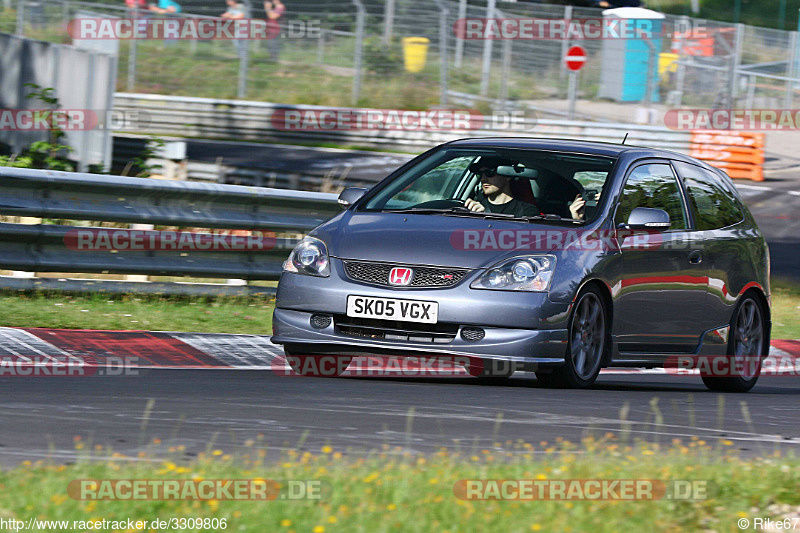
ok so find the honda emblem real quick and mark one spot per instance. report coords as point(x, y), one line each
point(400, 276)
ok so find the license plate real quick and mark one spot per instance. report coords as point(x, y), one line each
point(393, 309)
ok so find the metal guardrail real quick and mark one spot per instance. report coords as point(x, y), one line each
point(87, 197)
point(246, 120)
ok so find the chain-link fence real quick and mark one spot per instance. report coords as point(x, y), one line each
point(357, 52)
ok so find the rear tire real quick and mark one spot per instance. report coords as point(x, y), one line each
point(588, 344)
point(747, 339)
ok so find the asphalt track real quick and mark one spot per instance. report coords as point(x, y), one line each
point(221, 391)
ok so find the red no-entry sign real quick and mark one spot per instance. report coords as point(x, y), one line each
point(576, 57)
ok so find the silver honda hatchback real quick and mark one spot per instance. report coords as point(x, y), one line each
point(552, 256)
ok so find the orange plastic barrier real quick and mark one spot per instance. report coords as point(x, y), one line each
point(739, 153)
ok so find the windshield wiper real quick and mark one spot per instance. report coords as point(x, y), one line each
point(461, 211)
point(433, 210)
point(549, 217)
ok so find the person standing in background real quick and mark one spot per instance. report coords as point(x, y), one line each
point(275, 10)
point(236, 11)
point(166, 6)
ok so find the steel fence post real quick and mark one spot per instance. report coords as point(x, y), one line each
point(564, 45)
point(443, 14)
point(735, 63)
point(680, 76)
point(244, 58)
point(506, 72)
point(487, 52)
point(792, 71)
point(244, 54)
point(462, 14)
point(358, 51)
point(388, 21)
point(131, 85)
point(20, 18)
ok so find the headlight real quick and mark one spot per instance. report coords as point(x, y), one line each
point(309, 257)
point(526, 273)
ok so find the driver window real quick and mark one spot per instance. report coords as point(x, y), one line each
point(655, 186)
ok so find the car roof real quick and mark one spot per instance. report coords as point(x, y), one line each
point(569, 145)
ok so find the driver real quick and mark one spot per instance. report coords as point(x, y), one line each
point(495, 194)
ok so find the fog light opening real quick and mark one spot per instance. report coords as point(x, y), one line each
point(473, 334)
point(321, 321)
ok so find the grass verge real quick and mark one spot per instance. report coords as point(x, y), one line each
point(207, 315)
point(785, 310)
point(394, 491)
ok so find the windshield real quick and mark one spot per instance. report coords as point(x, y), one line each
point(499, 182)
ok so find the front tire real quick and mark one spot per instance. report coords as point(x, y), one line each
point(748, 338)
point(587, 346)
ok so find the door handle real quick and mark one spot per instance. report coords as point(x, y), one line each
point(695, 257)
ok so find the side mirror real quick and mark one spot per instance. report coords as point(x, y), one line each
point(644, 218)
point(350, 195)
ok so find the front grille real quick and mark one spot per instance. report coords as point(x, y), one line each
point(378, 274)
point(394, 330)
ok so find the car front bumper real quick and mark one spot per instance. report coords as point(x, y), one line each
point(523, 327)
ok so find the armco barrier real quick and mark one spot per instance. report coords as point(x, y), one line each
point(82, 197)
point(246, 120)
point(740, 154)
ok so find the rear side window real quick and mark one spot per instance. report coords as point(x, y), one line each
point(713, 204)
point(654, 186)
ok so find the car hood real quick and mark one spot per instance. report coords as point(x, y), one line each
point(424, 239)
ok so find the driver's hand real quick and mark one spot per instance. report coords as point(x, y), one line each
point(474, 206)
point(576, 207)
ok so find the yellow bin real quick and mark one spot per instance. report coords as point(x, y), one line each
point(667, 63)
point(415, 52)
